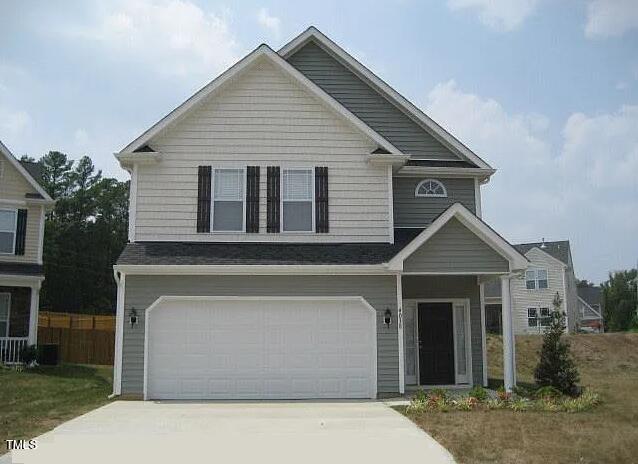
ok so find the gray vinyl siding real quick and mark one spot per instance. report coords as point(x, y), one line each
point(367, 104)
point(430, 287)
point(454, 248)
point(142, 291)
point(412, 211)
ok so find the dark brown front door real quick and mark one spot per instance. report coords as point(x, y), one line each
point(436, 344)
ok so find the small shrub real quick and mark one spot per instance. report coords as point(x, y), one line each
point(420, 395)
point(466, 403)
point(502, 395)
point(586, 401)
point(547, 393)
point(556, 367)
point(479, 393)
point(438, 392)
point(520, 404)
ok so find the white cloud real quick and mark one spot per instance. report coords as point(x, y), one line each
point(501, 15)
point(611, 18)
point(175, 37)
point(584, 189)
point(81, 137)
point(13, 122)
point(269, 22)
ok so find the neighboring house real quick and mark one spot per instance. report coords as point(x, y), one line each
point(23, 203)
point(300, 230)
point(590, 309)
point(551, 272)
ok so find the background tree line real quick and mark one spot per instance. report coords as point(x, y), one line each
point(84, 235)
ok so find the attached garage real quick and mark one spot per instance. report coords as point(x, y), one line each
point(260, 348)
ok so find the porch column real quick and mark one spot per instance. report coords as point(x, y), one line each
point(33, 314)
point(509, 375)
point(400, 334)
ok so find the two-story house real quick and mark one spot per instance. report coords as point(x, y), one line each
point(298, 229)
point(550, 273)
point(23, 204)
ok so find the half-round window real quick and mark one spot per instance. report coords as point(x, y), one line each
point(430, 188)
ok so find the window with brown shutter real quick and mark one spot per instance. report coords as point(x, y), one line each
point(272, 199)
point(321, 200)
point(252, 199)
point(203, 198)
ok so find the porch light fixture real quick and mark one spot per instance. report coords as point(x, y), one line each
point(133, 317)
point(387, 317)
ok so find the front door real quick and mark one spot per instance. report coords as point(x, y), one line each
point(436, 344)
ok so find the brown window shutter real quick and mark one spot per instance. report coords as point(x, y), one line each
point(203, 198)
point(272, 200)
point(21, 231)
point(321, 200)
point(252, 199)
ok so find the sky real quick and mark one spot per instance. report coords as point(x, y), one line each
point(546, 91)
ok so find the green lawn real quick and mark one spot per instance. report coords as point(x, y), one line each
point(36, 400)
point(608, 364)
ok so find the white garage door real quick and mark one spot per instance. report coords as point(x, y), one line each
point(260, 348)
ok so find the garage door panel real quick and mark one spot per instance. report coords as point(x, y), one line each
point(270, 348)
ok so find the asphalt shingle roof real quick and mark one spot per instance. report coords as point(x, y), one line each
point(559, 250)
point(193, 253)
point(592, 295)
point(21, 269)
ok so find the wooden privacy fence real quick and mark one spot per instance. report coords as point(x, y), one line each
point(81, 338)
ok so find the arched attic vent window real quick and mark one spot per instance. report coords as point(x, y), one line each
point(430, 188)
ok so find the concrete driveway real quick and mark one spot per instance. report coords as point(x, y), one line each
point(278, 432)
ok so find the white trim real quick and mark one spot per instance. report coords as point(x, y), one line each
point(119, 331)
point(483, 332)
point(14, 231)
point(391, 205)
point(16, 164)
point(401, 340)
point(6, 334)
point(441, 171)
point(168, 298)
point(132, 204)
point(261, 51)
point(410, 109)
point(41, 234)
point(392, 159)
point(509, 357)
point(477, 226)
point(433, 195)
point(20, 280)
point(564, 299)
point(454, 273)
point(468, 336)
point(592, 309)
point(257, 269)
point(477, 198)
point(34, 311)
point(313, 199)
point(214, 170)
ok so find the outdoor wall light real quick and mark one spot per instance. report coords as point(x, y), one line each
point(133, 317)
point(387, 317)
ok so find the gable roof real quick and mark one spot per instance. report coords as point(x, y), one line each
point(559, 250)
point(140, 143)
point(26, 173)
point(516, 260)
point(447, 139)
point(591, 295)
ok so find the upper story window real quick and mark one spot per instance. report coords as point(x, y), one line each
point(228, 200)
point(8, 221)
point(297, 200)
point(430, 188)
point(536, 279)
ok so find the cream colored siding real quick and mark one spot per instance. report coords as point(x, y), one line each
point(263, 119)
point(13, 187)
point(522, 298)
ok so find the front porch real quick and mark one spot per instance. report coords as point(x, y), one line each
point(443, 331)
point(19, 301)
point(440, 295)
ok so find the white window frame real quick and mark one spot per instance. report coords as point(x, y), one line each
point(6, 334)
point(540, 317)
point(536, 280)
point(14, 231)
point(431, 195)
point(243, 199)
point(537, 317)
point(312, 198)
